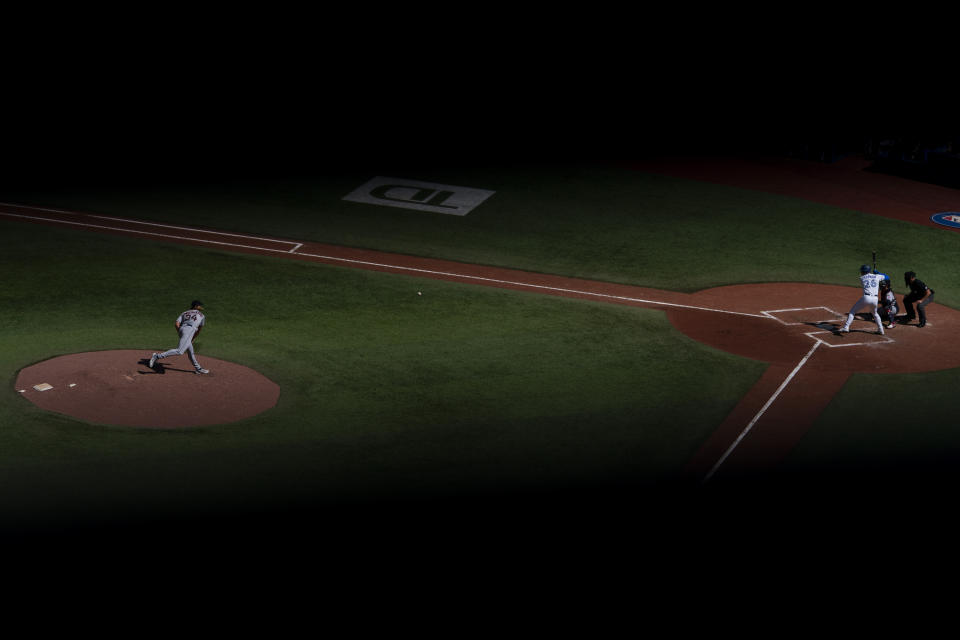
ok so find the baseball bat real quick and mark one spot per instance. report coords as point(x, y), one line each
point(874, 261)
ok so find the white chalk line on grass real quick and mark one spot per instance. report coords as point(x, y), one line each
point(295, 250)
point(167, 235)
point(296, 245)
point(763, 410)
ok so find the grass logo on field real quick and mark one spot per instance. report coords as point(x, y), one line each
point(422, 196)
point(948, 219)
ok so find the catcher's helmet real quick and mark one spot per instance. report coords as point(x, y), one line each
point(865, 268)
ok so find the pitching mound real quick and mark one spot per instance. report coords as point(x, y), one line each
point(117, 388)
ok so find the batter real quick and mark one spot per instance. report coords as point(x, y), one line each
point(188, 324)
point(871, 285)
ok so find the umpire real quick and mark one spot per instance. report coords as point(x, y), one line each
point(919, 293)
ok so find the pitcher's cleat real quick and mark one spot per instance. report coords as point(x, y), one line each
point(153, 361)
point(202, 371)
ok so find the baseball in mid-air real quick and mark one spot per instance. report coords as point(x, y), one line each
point(419, 293)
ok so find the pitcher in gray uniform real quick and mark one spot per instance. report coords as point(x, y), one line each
point(189, 323)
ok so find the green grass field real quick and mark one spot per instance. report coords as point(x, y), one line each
point(384, 392)
point(462, 391)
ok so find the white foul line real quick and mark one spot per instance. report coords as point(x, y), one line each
point(529, 285)
point(167, 235)
point(297, 246)
point(776, 394)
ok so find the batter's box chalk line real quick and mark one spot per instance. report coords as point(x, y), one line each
point(884, 339)
point(833, 315)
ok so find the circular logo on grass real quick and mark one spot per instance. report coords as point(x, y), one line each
point(948, 219)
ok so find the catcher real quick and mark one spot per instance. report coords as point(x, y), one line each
point(887, 304)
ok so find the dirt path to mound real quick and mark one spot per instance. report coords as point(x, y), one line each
point(809, 362)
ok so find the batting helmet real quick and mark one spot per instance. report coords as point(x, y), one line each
point(865, 268)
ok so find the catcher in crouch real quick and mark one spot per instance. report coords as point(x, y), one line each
point(887, 304)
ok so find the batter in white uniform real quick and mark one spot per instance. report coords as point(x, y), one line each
point(871, 285)
point(189, 323)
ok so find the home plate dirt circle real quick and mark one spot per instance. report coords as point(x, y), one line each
point(794, 328)
point(118, 388)
point(779, 323)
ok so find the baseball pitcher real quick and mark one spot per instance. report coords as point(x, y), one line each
point(188, 324)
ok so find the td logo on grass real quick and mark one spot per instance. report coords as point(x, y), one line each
point(422, 196)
